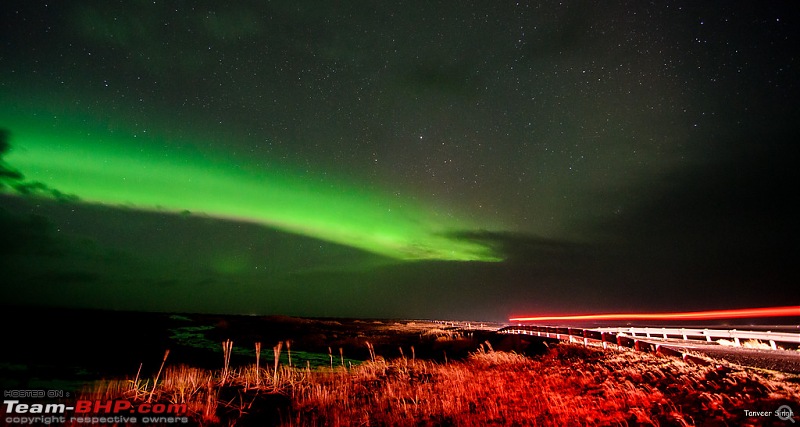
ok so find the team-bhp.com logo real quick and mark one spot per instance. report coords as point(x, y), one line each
point(93, 412)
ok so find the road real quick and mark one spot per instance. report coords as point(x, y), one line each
point(776, 360)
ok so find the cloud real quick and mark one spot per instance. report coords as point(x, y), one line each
point(14, 179)
point(72, 277)
point(26, 235)
point(38, 188)
point(733, 209)
point(526, 249)
point(8, 175)
point(721, 233)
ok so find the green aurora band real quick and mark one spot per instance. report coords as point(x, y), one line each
point(102, 167)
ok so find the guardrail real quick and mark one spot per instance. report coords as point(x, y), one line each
point(710, 335)
point(631, 336)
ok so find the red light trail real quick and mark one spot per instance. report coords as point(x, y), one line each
point(787, 311)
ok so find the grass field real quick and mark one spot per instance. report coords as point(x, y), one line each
point(568, 385)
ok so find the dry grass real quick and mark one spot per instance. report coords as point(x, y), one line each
point(747, 344)
point(570, 385)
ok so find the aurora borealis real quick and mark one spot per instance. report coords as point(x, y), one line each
point(115, 173)
point(418, 159)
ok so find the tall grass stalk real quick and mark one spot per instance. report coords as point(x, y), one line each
point(155, 382)
point(227, 349)
point(277, 351)
point(371, 349)
point(135, 384)
point(258, 370)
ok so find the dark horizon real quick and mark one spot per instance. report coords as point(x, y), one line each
point(399, 161)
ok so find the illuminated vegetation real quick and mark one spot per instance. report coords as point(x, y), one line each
point(569, 385)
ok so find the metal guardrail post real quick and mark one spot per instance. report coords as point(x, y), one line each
point(771, 341)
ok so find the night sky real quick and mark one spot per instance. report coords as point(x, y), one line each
point(467, 160)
